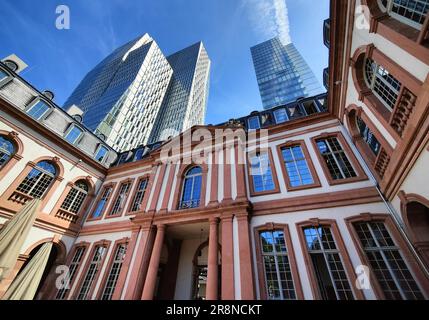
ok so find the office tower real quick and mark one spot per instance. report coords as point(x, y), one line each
point(185, 103)
point(120, 98)
point(282, 73)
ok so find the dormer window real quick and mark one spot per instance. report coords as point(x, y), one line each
point(281, 115)
point(101, 153)
point(254, 123)
point(139, 154)
point(3, 75)
point(38, 110)
point(73, 134)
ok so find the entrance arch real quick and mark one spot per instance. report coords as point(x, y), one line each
point(199, 275)
point(57, 257)
point(415, 213)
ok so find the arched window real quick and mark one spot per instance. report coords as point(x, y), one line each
point(367, 136)
point(76, 197)
point(384, 85)
point(191, 190)
point(410, 12)
point(6, 150)
point(38, 181)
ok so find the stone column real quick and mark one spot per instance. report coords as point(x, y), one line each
point(138, 269)
point(246, 269)
point(227, 282)
point(152, 272)
point(212, 272)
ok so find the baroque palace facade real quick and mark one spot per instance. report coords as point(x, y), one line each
point(327, 200)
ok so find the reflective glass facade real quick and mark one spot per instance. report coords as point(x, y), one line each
point(122, 95)
point(186, 100)
point(283, 75)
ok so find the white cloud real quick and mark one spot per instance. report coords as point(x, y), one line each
point(269, 18)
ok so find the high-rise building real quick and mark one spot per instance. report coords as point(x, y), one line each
point(282, 73)
point(120, 98)
point(185, 103)
point(133, 91)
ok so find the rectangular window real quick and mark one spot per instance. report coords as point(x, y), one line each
point(74, 266)
point(38, 110)
point(277, 269)
point(328, 268)
point(3, 75)
point(253, 123)
point(385, 258)
point(120, 199)
point(115, 269)
point(91, 273)
point(281, 116)
point(138, 198)
point(73, 134)
point(260, 171)
point(296, 165)
point(102, 202)
point(335, 158)
point(310, 107)
point(368, 136)
point(139, 154)
point(101, 153)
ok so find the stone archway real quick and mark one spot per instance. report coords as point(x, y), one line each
point(57, 257)
point(415, 213)
point(200, 268)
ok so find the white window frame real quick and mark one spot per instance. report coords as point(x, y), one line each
point(114, 272)
point(399, 17)
point(259, 123)
point(193, 177)
point(276, 254)
point(5, 79)
point(98, 150)
point(325, 253)
point(44, 114)
point(79, 137)
point(275, 115)
point(371, 83)
point(335, 157)
point(381, 250)
point(79, 191)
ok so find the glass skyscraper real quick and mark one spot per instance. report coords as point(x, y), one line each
point(186, 100)
point(122, 96)
point(282, 73)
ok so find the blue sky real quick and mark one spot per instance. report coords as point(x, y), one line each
point(59, 59)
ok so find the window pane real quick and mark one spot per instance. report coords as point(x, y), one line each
point(254, 123)
point(331, 277)
point(387, 263)
point(296, 166)
point(73, 134)
point(38, 110)
point(336, 160)
point(261, 173)
point(280, 115)
point(115, 270)
point(368, 136)
point(102, 203)
point(6, 150)
point(101, 153)
point(277, 270)
point(138, 198)
point(38, 181)
point(2, 75)
point(191, 192)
